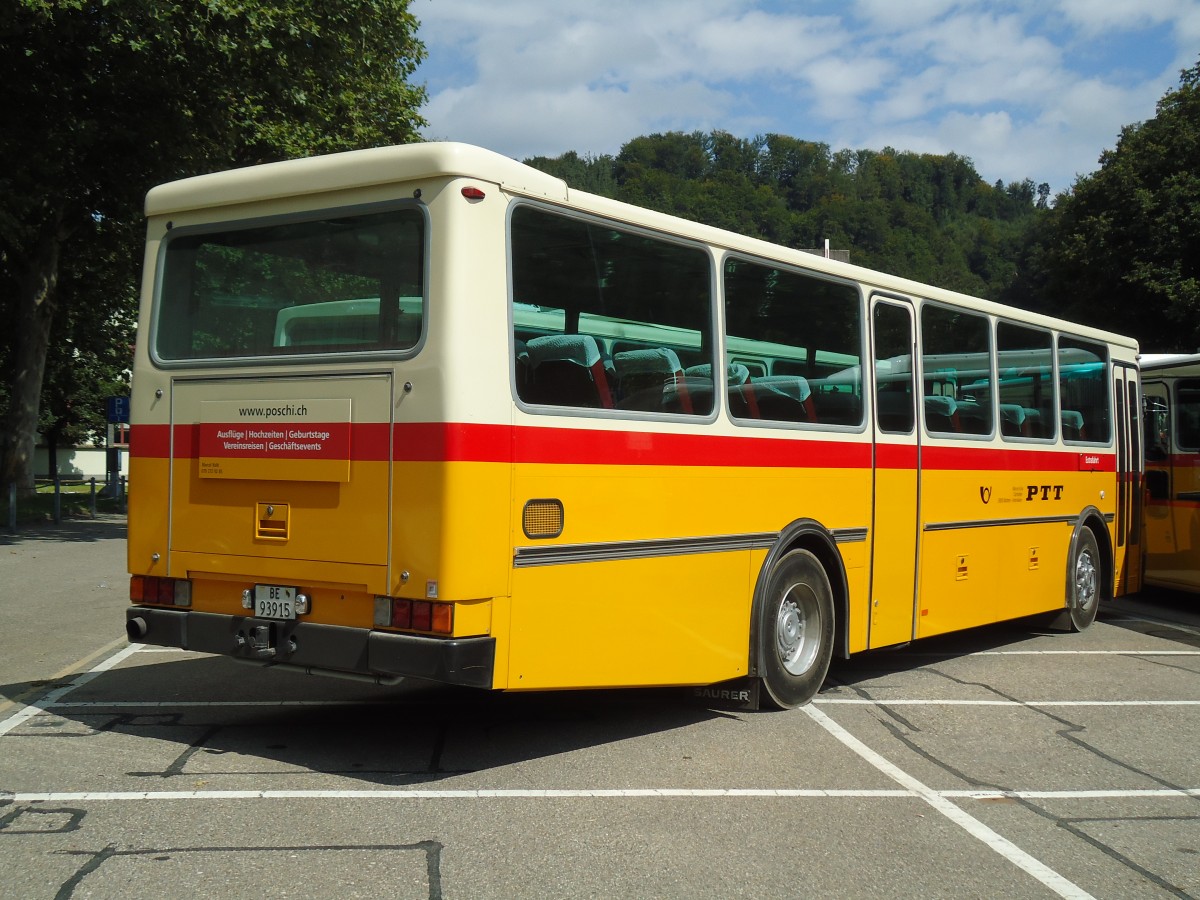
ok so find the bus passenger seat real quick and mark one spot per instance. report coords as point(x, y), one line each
point(521, 352)
point(895, 411)
point(737, 377)
point(735, 373)
point(1012, 420)
point(941, 413)
point(1072, 425)
point(838, 408)
point(566, 370)
point(1033, 422)
point(973, 417)
point(785, 398)
point(651, 380)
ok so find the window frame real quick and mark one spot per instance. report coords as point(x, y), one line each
point(623, 226)
point(256, 222)
point(1053, 376)
point(993, 404)
point(1106, 382)
point(859, 288)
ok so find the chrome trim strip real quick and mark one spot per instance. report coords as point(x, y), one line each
point(849, 535)
point(998, 523)
point(609, 551)
point(558, 554)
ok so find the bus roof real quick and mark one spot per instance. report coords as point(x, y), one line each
point(349, 170)
point(1154, 362)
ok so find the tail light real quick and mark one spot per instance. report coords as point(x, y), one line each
point(163, 591)
point(414, 615)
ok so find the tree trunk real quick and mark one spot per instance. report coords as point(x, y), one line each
point(35, 307)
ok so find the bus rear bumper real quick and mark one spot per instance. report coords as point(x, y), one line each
point(461, 661)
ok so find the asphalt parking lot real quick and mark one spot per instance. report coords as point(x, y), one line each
point(1007, 761)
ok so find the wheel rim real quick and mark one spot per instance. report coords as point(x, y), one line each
point(797, 629)
point(1085, 581)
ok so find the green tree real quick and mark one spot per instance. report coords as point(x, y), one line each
point(105, 98)
point(593, 174)
point(91, 343)
point(1121, 249)
point(927, 217)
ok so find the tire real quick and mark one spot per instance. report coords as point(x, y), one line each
point(1084, 580)
point(795, 634)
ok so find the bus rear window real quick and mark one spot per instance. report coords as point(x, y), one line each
point(335, 285)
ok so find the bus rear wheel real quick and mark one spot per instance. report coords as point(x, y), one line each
point(796, 630)
point(1084, 580)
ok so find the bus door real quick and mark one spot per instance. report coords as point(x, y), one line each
point(279, 472)
point(1127, 562)
point(896, 501)
point(1172, 515)
point(1158, 537)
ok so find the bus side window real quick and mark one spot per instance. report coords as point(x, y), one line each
point(1083, 391)
point(592, 290)
point(810, 328)
point(956, 365)
point(1187, 395)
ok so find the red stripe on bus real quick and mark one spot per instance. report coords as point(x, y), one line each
point(150, 441)
point(993, 459)
point(588, 447)
point(462, 442)
point(896, 456)
point(452, 442)
point(577, 446)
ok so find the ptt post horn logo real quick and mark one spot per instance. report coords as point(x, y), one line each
point(985, 494)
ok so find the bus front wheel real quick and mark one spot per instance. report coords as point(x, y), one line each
point(1084, 580)
point(796, 630)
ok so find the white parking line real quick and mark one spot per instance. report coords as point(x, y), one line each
point(862, 701)
point(919, 653)
point(25, 714)
point(1133, 794)
point(957, 815)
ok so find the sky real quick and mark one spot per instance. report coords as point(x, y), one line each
point(1033, 89)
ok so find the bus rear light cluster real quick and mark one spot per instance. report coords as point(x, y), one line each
point(165, 591)
point(414, 615)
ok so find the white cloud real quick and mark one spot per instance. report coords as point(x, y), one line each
point(1026, 88)
point(888, 15)
point(1094, 17)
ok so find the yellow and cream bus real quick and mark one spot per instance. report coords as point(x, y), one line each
point(1171, 383)
point(425, 412)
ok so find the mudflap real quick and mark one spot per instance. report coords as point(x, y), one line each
point(738, 693)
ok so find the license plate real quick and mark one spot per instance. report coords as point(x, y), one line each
point(274, 601)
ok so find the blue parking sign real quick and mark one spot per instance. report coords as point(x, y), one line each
point(118, 410)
